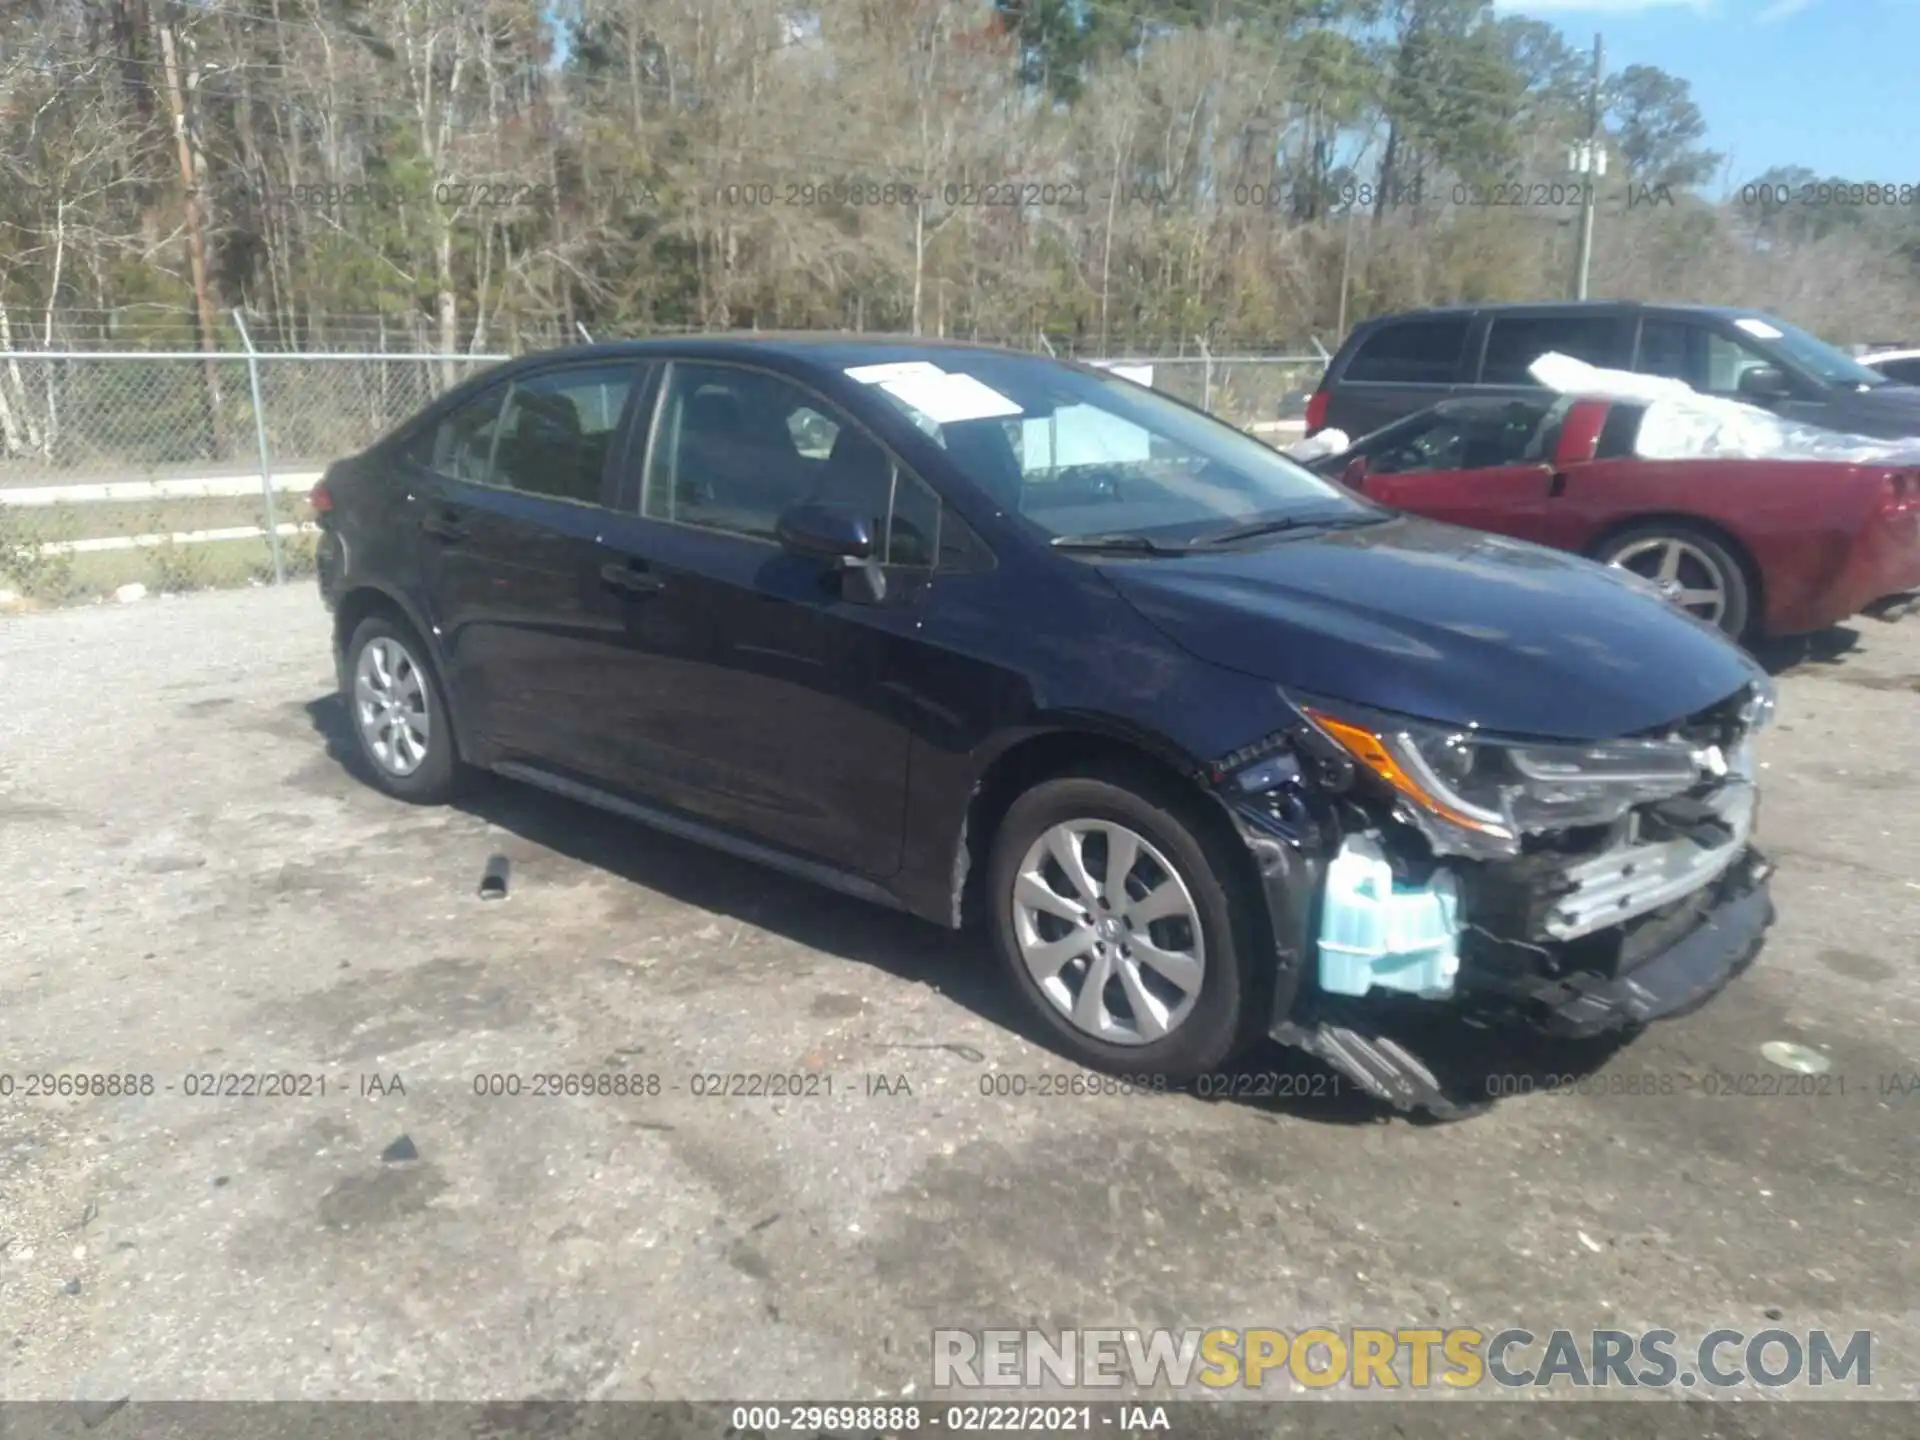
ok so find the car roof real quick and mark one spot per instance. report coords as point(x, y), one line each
point(1729, 312)
point(1878, 355)
point(838, 349)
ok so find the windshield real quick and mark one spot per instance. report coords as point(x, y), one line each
point(1813, 354)
point(1075, 453)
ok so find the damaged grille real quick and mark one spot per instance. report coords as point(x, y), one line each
point(1641, 874)
point(1666, 851)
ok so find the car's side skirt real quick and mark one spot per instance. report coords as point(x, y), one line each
point(684, 828)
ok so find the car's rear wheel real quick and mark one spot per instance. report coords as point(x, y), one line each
point(1696, 571)
point(398, 713)
point(1112, 911)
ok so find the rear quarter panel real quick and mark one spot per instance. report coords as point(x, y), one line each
point(1796, 521)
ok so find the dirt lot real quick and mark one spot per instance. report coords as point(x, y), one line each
point(197, 886)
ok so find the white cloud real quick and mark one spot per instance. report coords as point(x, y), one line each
point(1781, 10)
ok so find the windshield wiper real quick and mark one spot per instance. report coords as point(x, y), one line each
point(1140, 544)
point(1255, 528)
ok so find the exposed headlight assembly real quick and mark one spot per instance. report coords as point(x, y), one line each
point(1476, 794)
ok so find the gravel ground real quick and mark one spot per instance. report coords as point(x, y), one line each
point(200, 887)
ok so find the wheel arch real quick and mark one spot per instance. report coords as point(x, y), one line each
point(362, 603)
point(366, 600)
point(1068, 748)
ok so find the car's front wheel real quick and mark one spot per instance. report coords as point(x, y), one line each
point(398, 713)
point(1112, 910)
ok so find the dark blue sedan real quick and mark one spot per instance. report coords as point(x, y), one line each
point(1212, 747)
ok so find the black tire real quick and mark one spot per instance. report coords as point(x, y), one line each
point(437, 777)
point(1736, 618)
point(1230, 1010)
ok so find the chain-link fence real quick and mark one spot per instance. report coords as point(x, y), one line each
point(180, 471)
point(177, 470)
point(1245, 390)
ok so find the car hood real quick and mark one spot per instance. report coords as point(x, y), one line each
point(1442, 623)
point(1887, 411)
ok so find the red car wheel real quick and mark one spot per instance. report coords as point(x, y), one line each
point(1696, 570)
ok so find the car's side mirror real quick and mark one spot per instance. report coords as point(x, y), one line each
point(825, 532)
point(836, 536)
point(1354, 477)
point(1764, 384)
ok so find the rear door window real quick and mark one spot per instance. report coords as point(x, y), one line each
point(556, 431)
point(461, 446)
point(1411, 352)
point(1670, 348)
point(1514, 342)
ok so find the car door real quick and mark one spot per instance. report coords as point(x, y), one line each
point(1402, 366)
point(510, 501)
point(1477, 466)
point(751, 692)
point(1711, 355)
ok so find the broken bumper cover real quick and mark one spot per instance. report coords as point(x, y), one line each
point(1686, 973)
point(1720, 933)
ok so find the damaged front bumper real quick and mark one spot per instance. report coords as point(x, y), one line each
point(1716, 942)
point(1580, 936)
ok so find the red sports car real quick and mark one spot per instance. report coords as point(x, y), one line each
point(1757, 547)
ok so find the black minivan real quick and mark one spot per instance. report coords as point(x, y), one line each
point(1211, 747)
point(1393, 366)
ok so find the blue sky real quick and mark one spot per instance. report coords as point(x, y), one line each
point(1828, 84)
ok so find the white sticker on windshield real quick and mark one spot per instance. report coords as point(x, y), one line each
point(949, 399)
point(1759, 329)
point(898, 370)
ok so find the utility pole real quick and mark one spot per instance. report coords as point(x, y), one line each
point(1591, 163)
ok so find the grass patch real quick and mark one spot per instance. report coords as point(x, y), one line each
point(60, 577)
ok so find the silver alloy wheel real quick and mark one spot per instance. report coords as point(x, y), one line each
point(390, 706)
point(1685, 573)
point(1109, 931)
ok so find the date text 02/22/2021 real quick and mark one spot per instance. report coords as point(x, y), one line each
point(910, 1417)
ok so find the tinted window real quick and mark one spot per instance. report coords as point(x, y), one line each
point(1411, 352)
point(1727, 360)
point(727, 453)
point(554, 436)
point(913, 531)
point(1906, 372)
point(461, 445)
point(735, 448)
point(1515, 342)
point(1463, 440)
point(1666, 348)
point(960, 548)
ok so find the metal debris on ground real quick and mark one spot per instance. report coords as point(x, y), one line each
point(493, 883)
point(1800, 1058)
